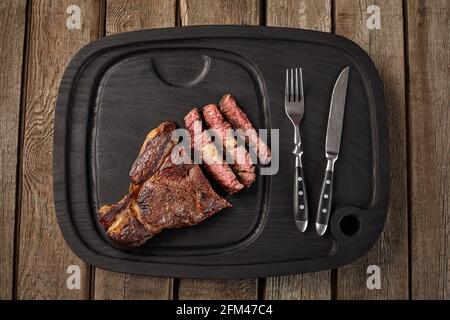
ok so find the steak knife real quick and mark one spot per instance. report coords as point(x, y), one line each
point(332, 145)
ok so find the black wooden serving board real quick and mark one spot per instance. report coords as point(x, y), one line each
point(118, 88)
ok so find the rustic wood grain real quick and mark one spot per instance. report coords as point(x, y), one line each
point(309, 286)
point(314, 15)
point(43, 254)
point(121, 17)
point(117, 286)
point(385, 47)
point(12, 24)
point(198, 12)
point(429, 148)
point(202, 12)
point(217, 289)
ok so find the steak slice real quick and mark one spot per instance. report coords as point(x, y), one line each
point(239, 120)
point(242, 164)
point(161, 194)
point(211, 157)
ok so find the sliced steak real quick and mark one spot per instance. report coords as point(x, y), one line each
point(212, 159)
point(239, 120)
point(242, 164)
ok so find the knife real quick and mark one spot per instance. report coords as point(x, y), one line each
point(332, 145)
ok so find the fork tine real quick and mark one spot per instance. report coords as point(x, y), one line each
point(292, 85)
point(286, 90)
point(296, 97)
point(301, 85)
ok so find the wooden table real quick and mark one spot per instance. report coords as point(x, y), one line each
point(412, 53)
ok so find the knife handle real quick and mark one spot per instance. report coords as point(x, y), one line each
point(299, 196)
point(324, 208)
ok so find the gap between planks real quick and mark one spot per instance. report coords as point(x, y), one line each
point(22, 115)
point(408, 140)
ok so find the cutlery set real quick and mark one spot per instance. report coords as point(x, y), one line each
point(294, 103)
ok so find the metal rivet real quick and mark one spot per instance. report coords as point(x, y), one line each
point(299, 179)
point(300, 193)
point(324, 210)
point(302, 207)
point(325, 196)
point(328, 181)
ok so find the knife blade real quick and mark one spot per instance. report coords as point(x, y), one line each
point(332, 146)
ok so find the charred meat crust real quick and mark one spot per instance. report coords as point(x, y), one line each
point(212, 160)
point(242, 163)
point(129, 231)
point(239, 120)
point(156, 148)
point(177, 197)
point(109, 212)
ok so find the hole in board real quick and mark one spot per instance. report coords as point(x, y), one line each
point(350, 225)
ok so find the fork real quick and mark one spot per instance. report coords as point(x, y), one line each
point(294, 104)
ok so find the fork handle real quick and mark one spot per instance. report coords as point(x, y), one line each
point(300, 197)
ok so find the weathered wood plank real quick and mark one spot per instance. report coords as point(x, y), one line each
point(217, 289)
point(43, 254)
point(202, 12)
point(12, 24)
point(385, 47)
point(429, 148)
point(195, 12)
point(310, 286)
point(121, 17)
point(314, 15)
point(117, 286)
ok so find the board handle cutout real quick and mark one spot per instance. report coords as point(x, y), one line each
point(181, 70)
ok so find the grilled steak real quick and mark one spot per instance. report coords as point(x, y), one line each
point(242, 164)
point(161, 195)
point(239, 120)
point(212, 159)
